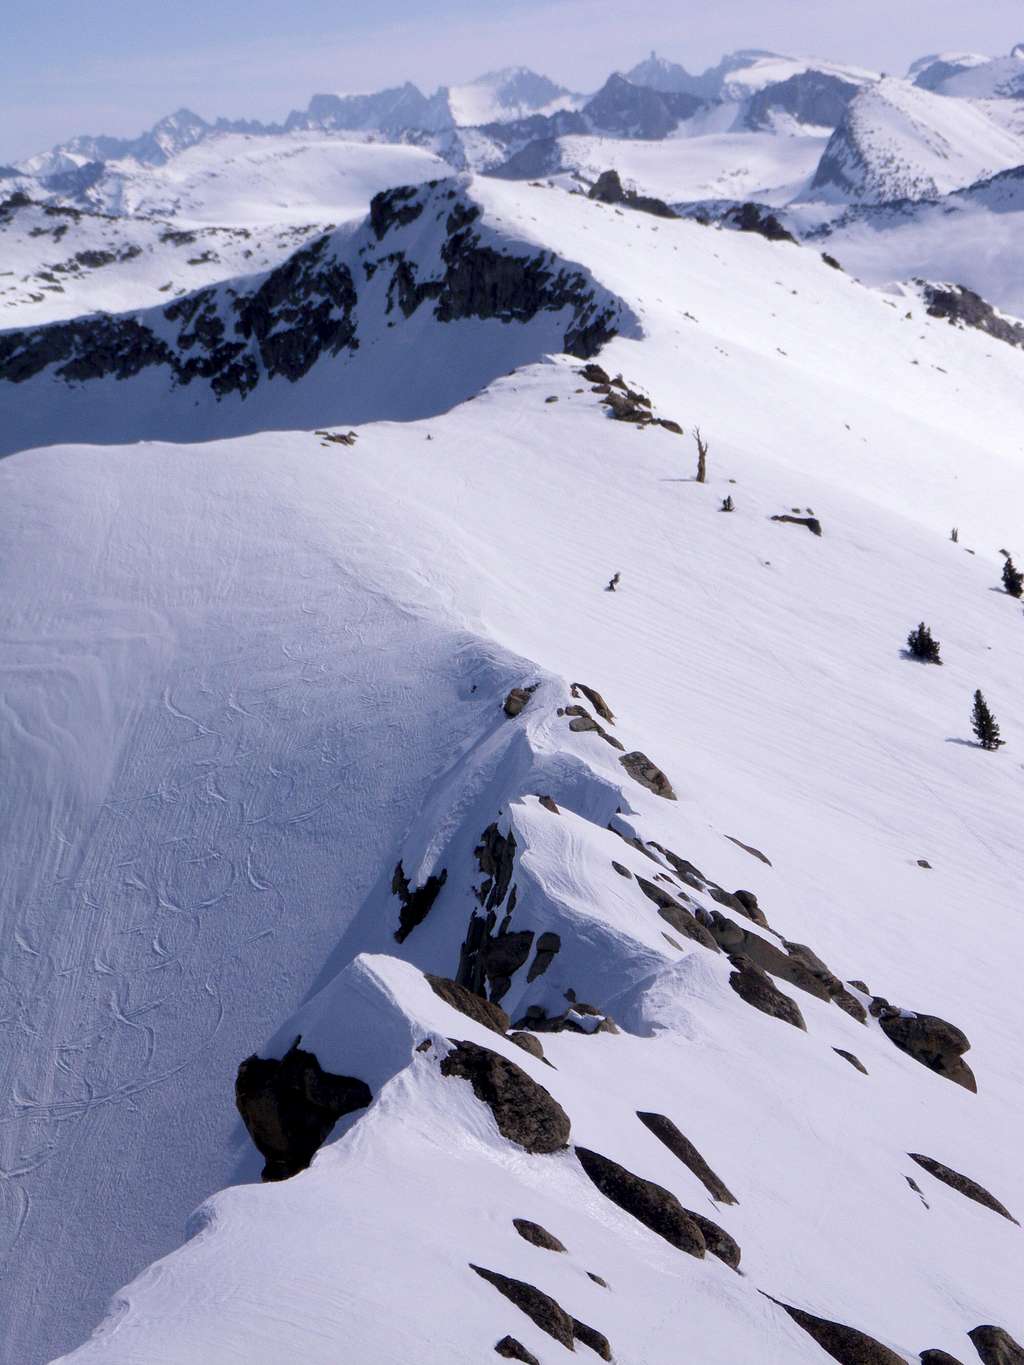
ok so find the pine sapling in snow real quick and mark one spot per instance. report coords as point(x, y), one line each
point(983, 722)
point(1013, 579)
point(727, 504)
point(921, 645)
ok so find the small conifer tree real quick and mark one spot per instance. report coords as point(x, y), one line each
point(922, 646)
point(727, 504)
point(1013, 579)
point(983, 722)
point(954, 535)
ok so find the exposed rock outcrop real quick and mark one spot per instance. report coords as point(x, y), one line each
point(289, 1106)
point(845, 1344)
point(467, 1002)
point(812, 523)
point(524, 1111)
point(962, 307)
point(510, 1349)
point(651, 1204)
point(752, 218)
point(938, 1358)
point(518, 699)
point(676, 914)
point(608, 189)
point(849, 1057)
point(930, 1040)
point(416, 902)
point(648, 774)
point(757, 988)
point(995, 1346)
point(680, 1146)
point(540, 1308)
point(594, 697)
point(961, 1183)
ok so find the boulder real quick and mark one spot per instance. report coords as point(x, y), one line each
point(812, 523)
point(677, 915)
point(995, 1346)
point(938, 1358)
point(666, 1131)
point(416, 902)
point(719, 1242)
point(651, 1204)
point(596, 700)
point(540, 1308)
point(510, 1349)
point(548, 945)
point(529, 1043)
point(518, 699)
point(845, 1344)
point(648, 774)
point(931, 1041)
point(758, 989)
point(470, 1004)
point(524, 1111)
point(289, 1107)
point(963, 1184)
point(849, 1057)
point(591, 1337)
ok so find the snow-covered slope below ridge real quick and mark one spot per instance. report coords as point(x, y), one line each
point(247, 678)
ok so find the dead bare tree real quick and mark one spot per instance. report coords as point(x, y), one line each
point(702, 456)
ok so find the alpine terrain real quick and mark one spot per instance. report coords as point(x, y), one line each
point(510, 705)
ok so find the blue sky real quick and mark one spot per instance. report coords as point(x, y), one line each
point(115, 66)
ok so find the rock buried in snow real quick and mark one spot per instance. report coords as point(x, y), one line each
point(529, 1043)
point(938, 1358)
point(289, 1107)
point(719, 1242)
point(540, 1308)
point(758, 989)
point(523, 1110)
point(470, 1004)
point(747, 848)
point(845, 1344)
point(511, 1349)
point(930, 1040)
point(849, 1057)
point(536, 1235)
point(597, 1342)
point(648, 774)
point(962, 1184)
point(680, 1146)
point(812, 523)
point(596, 700)
point(995, 1346)
point(655, 1207)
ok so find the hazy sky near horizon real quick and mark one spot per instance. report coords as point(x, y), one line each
point(115, 66)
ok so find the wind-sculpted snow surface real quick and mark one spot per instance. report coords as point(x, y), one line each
point(330, 739)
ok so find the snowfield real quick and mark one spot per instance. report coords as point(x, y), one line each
point(245, 678)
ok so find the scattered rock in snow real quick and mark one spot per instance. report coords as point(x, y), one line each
point(416, 904)
point(719, 1242)
point(467, 1002)
point(962, 1183)
point(539, 1307)
point(578, 1018)
point(651, 1204)
point(680, 1146)
point(547, 946)
point(536, 1235)
point(289, 1107)
point(594, 374)
point(511, 1349)
point(748, 906)
point(591, 1337)
point(608, 189)
point(548, 802)
point(622, 871)
point(812, 523)
point(596, 700)
point(582, 720)
point(995, 1346)
point(758, 989)
point(930, 1040)
point(518, 699)
point(495, 855)
point(750, 218)
point(923, 862)
point(917, 1190)
point(523, 1110)
point(676, 914)
point(648, 774)
point(597, 1279)
point(755, 852)
point(845, 1344)
point(938, 1358)
point(961, 307)
point(854, 1061)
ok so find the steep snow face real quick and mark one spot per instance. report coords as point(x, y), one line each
point(898, 141)
point(932, 71)
point(970, 78)
point(279, 671)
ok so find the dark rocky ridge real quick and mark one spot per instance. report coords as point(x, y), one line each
point(523, 1110)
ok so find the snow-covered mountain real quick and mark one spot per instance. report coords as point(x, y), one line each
point(900, 141)
point(969, 76)
point(642, 962)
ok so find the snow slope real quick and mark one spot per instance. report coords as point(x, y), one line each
point(898, 141)
point(244, 679)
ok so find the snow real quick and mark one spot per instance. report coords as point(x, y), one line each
point(770, 69)
point(243, 678)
